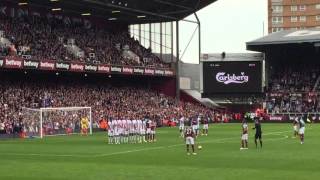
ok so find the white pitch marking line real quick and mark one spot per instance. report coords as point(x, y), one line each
point(278, 139)
point(44, 155)
point(129, 151)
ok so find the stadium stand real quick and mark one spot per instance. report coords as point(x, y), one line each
point(107, 101)
point(30, 33)
point(293, 89)
point(42, 38)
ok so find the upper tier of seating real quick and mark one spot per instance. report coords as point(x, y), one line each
point(45, 38)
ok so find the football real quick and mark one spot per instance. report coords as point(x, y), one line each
point(199, 147)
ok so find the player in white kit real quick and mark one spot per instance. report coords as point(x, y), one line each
point(138, 132)
point(126, 130)
point(122, 124)
point(181, 126)
point(118, 131)
point(143, 130)
point(134, 131)
point(115, 131)
point(129, 124)
point(110, 132)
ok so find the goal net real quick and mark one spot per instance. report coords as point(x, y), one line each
point(55, 121)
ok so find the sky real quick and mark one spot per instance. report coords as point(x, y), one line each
point(226, 26)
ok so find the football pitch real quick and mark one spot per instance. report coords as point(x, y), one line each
point(91, 158)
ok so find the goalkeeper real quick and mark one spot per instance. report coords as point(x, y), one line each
point(84, 126)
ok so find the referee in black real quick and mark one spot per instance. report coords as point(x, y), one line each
point(258, 135)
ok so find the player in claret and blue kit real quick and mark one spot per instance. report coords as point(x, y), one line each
point(189, 136)
point(194, 123)
point(295, 127)
point(244, 135)
point(302, 125)
point(205, 126)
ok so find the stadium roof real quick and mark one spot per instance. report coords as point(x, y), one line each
point(128, 11)
point(310, 37)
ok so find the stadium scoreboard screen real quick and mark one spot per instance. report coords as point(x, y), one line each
point(231, 77)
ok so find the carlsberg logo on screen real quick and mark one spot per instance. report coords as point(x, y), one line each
point(231, 78)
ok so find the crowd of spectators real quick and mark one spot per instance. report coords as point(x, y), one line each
point(107, 102)
point(292, 89)
point(43, 38)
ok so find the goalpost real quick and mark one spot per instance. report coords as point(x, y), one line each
point(55, 121)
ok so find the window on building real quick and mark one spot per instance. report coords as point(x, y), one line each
point(276, 29)
point(318, 18)
point(294, 28)
point(303, 18)
point(317, 6)
point(277, 19)
point(277, 9)
point(294, 18)
point(302, 7)
point(294, 8)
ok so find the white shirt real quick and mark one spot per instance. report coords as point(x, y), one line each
point(144, 124)
point(114, 125)
point(302, 123)
point(2, 126)
point(119, 124)
point(134, 124)
point(124, 124)
point(129, 123)
point(245, 126)
point(139, 124)
point(181, 121)
point(110, 124)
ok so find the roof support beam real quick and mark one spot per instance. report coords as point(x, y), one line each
point(199, 34)
point(176, 12)
point(171, 18)
point(172, 4)
point(132, 10)
point(75, 4)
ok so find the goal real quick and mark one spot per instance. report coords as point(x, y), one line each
point(54, 121)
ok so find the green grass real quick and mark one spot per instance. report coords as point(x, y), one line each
point(91, 158)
